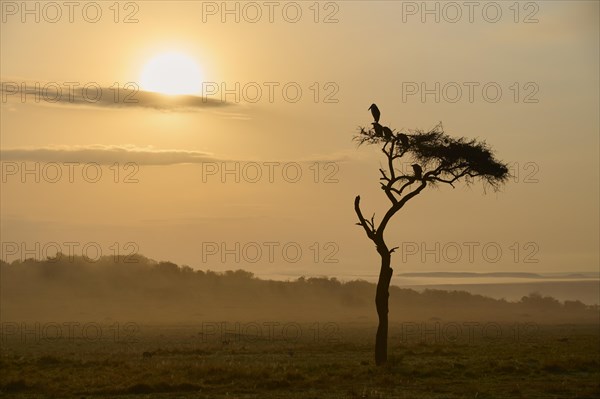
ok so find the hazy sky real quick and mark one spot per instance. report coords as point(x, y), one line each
point(543, 56)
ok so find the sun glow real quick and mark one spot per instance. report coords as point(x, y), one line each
point(171, 73)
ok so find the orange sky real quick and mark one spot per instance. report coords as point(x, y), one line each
point(545, 123)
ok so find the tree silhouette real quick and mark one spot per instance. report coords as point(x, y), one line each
point(436, 159)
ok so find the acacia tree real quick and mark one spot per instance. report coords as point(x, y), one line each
point(436, 159)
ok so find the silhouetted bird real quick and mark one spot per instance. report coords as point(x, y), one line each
point(378, 129)
point(387, 132)
point(418, 171)
point(403, 139)
point(375, 112)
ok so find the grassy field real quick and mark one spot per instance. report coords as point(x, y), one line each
point(289, 360)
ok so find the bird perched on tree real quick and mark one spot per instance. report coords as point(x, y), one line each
point(375, 112)
point(403, 139)
point(387, 132)
point(418, 171)
point(378, 129)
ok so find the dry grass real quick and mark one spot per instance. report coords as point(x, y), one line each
point(554, 362)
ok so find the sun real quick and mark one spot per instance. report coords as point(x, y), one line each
point(171, 73)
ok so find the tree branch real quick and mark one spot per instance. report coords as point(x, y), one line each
point(392, 211)
point(362, 222)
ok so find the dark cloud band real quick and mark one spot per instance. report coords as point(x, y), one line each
point(92, 94)
point(106, 155)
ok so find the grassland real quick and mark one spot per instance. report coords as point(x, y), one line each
point(318, 360)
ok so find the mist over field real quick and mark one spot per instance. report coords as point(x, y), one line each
point(143, 290)
point(130, 327)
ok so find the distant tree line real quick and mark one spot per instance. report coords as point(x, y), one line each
point(139, 288)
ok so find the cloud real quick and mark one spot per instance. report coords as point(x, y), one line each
point(93, 94)
point(109, 154)
point(106, 155)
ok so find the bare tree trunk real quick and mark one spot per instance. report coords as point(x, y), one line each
point(381, 302)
